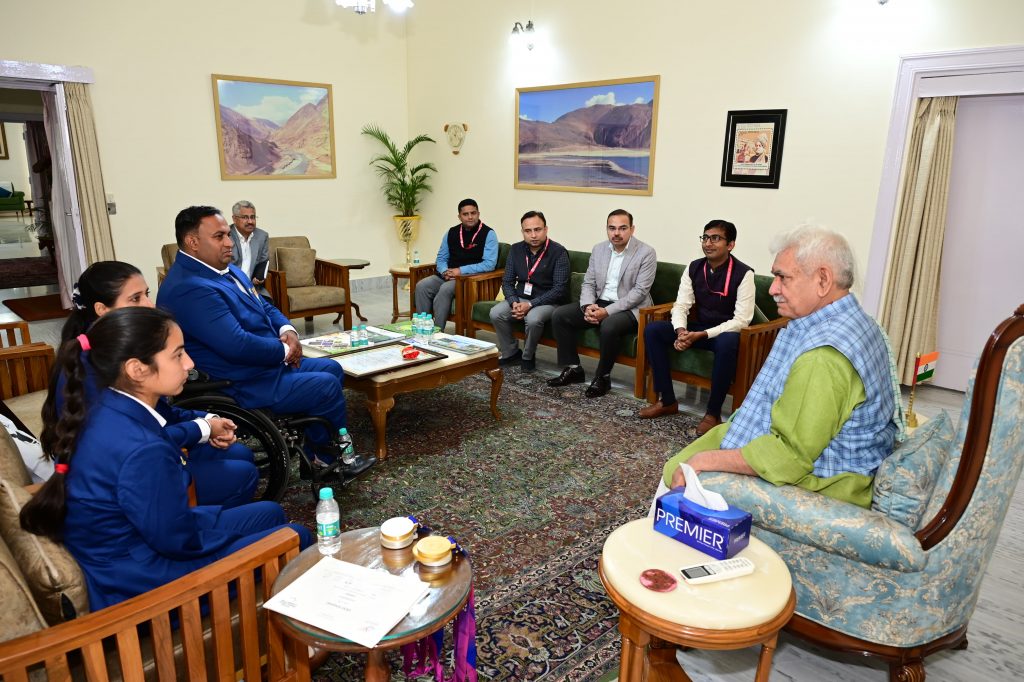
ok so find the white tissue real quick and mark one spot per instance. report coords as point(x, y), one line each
point(696, 493)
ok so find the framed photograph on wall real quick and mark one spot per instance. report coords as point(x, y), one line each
point(596, 136)
point(273, 129)
point(753, 148)
point(4, 152)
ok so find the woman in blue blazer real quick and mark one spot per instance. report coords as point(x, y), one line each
point(117, 498)
point(222, 468)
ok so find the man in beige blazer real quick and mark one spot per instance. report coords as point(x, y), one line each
point(617, 284)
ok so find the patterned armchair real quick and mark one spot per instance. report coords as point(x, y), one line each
point(900, 581)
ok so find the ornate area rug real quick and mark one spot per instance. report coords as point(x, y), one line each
point(26, 272)
point(532, 498)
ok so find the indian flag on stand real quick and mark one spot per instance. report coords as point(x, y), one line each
point(924, 368)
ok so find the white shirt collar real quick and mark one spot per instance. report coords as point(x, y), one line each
point(156, 415)
point(219, 272)
point(624, 249)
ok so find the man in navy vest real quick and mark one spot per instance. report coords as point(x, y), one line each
point(469, 248)
point(715, 301)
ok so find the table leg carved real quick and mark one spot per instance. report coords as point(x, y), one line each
point(497, 377)
point(379, 414)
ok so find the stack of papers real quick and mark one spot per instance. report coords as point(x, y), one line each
point(357, 603)
point(459, 344)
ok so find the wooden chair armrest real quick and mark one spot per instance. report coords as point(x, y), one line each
point(277, 287)
point(331, 274)
point(10, 330)
point(650, 313)
point(483, 276)
point(755, 344)
point(771, 327)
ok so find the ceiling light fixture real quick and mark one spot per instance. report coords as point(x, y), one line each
point(523, 35)
point(370, 6)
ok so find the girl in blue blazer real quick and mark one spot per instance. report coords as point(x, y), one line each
point(117, 499)
point(223, 469)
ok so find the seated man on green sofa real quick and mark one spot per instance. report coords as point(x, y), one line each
point(536, 280)
point(617, 284)
point(823, 412)
point(715, 301)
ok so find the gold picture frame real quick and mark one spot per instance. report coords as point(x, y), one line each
point(593, 136)
point(5, 153)
point(271, 129)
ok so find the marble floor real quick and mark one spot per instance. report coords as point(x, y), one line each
point(996, 632)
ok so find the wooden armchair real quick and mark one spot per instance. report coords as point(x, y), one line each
point(464, 284)
point(755, 343)
point(324, 289)
point(24, 366)
point(117, 642)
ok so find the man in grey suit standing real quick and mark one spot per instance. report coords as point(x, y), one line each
point(249, 243)
point(617, 284)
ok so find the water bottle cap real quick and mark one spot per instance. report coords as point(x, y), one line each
point(326, 493)
point(343, 431)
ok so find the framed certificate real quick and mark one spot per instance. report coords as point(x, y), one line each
point(383, 357)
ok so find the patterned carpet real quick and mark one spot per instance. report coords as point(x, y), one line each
point(531, 497)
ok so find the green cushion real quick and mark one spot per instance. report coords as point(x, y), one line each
point(666, 282)
point(576, 286)
point(693, 361)
point(503, 250)
point(763, 300)
point(590, 338)
point(579, 261)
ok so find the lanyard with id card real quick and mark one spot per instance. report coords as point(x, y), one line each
point(528, 285)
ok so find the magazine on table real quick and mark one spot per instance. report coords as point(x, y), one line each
point(336, 343)
point(460, 344)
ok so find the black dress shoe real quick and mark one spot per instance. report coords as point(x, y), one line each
point(529, 365)
point(598, 387)
point(511, 360)
point(569, 375)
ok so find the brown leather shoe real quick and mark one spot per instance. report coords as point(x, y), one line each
point(658, 410)
point(707, 423)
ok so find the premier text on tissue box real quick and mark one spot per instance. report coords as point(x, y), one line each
point(720, 534)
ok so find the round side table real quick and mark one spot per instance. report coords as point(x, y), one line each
point(399, 272)
point(731, 614)
point(449, 590)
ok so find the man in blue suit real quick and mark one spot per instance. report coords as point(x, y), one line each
point(232, 333)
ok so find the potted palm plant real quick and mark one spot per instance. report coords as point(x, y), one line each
point(403, 184)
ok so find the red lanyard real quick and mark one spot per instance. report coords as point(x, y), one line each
point(530, 272)
point(472, 241)
point(728, 277)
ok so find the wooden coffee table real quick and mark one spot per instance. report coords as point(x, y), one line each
point(731, 614)
point(380, 390)
point(449, 590)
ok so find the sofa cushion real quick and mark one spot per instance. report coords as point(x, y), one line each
point(19, 615)
point(764, 301)
point(575, 286)
point(666, 282)
point(275, 243)
point(12, 466)
point(692, 361)
point(310, 298)
point(905, 480)
point(298, 265)
point(579, 261)
point(49, 569)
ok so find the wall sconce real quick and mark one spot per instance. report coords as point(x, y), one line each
point(523, 35)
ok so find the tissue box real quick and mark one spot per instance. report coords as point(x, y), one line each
point(720, 534)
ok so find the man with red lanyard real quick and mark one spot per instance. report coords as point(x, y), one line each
point(469, 248)
point(536, 280)
point(715, 301)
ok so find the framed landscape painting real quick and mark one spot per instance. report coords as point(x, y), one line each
point(588, 137)
point(4, 154)
point(753, 148)
point(273, 129)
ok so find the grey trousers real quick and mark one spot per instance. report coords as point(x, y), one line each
point(434, 295)
point(501, 318)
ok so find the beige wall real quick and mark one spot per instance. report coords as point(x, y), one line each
point(154, 108)
point(15, 168)
point(831, 63)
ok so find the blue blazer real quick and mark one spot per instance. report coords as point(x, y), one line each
point(128, 522)
point(229, 334)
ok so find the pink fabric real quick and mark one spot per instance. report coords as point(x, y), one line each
point(419, 658)
point(83, 340)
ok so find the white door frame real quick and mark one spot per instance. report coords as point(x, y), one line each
point(983, 71)
point(51, 77)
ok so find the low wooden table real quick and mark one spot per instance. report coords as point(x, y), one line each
point(731, 614)
point(351, 264)
point(380, 390)
point(449, 590)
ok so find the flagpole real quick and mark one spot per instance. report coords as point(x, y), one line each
point(911, 417)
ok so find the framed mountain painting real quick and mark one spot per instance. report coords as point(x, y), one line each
point(588, 137)
point(273, 129)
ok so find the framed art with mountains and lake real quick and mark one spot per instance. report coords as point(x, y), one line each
point(273, 129)
point(588, 137)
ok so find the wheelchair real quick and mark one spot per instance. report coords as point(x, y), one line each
point(276, 440)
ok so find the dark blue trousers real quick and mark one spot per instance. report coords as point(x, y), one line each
point(223, 477)
point(658, 339)
point(258, 520)
point(315, 389)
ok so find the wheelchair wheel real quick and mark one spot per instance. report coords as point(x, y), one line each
point(259, 434)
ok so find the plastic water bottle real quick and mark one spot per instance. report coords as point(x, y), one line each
point(415, 257)
point(328, 523)
point(348, 451)
point(361, 335)
point(421, 327)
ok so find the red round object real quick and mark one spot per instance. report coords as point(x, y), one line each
point(658, 580)
point(410, 353)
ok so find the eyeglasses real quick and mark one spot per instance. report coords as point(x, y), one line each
point(245, 217)
point(713, 238)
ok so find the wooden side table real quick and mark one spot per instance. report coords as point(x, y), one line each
point(449, 591)
point(400, 272)
point(731, 614)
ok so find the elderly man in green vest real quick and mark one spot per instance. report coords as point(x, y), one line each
point(824, 410)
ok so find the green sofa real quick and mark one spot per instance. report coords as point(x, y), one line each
point(11, 200)
point(479, 294)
